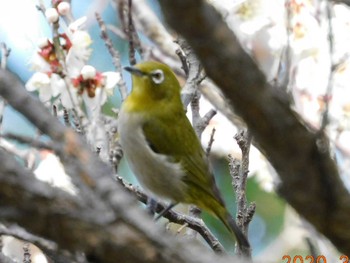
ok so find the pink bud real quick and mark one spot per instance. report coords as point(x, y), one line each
point(63, 8)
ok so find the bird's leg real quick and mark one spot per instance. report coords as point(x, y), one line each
point(151, 206)
point(170, 206)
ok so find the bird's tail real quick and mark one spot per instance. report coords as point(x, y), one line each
point(225, 217)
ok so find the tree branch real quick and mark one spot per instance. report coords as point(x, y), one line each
point(310, 179)
point(4, 259)
point(177, 218)
point(345, 2)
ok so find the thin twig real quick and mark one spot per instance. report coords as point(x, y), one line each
point(77, 123)
point(313, 251)
point(328, 94)
point(125, 14)
point(183, 60)
point(5, 53)
point(285, 59)
point(114, 54)
point(130, 32)
point(200, 123)
point(115, 30)
point(239, 171)
point(196, 118)
point(149, 52)
point(192, 69)
point(2, 109)
point(30, 141)
point(13, 149)
point(234, 166)
point(136, 39)
point(41, 7)
point(207, 117)
point(54, 110)
point(152, 27)
point(66, 117)
point(250, 213)
point(211, 141)
point(177, 218)
point(190, 92)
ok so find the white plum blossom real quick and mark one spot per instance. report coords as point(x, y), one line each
point(47, 86)
point(95, 87)
point(80, 50)
point(53, 73)
point(51, 170)
point(37, 62)
point(102, 93)
point(79, 53)
point(249, 16)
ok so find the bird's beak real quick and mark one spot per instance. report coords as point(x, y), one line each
point(135, 71)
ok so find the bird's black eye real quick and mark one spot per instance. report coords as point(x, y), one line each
point(157, 76)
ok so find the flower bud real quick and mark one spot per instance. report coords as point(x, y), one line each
point(88, 72)
point(51, 15)
point(63, 8)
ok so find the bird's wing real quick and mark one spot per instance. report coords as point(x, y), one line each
point(180, 143)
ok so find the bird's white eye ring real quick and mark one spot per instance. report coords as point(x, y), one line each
point(157, 76)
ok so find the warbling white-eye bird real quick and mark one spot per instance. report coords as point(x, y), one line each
point(162, 148)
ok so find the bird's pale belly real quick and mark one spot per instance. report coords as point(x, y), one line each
point(154, 171)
